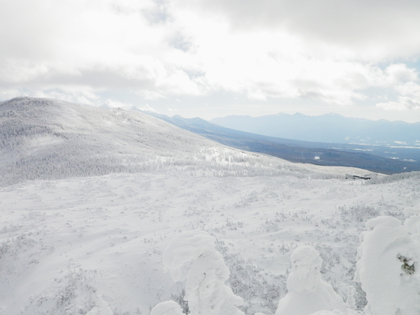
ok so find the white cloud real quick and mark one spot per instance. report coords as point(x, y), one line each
point(403, 103)
point(404, 82)
point(325, 50)
point(400, 73)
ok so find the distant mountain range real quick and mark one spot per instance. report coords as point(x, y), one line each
point(331, 128)
point(375, 158)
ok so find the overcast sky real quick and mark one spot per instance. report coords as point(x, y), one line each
point(212, 58)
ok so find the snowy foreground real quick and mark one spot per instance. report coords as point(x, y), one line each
point(95, 245)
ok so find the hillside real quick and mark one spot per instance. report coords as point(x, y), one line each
point(42, 138)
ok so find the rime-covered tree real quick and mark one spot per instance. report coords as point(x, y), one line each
point(192, 256)
point(307, 292)
point(387, 267)
point(167, 308)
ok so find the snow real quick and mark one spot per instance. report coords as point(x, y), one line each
point(101, 308)
point(335, 312)
point(167, 308)
point(206, 274)
point(64, 238)
point(48, 139)
point(123, 240)
point(308, 293)
point(183, 251)
point(392, 249)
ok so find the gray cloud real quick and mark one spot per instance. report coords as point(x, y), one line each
point(27, 30)
point(179, 41)
point(158, 13)
point(96, 78)
point(381, 26)
point(100, 78)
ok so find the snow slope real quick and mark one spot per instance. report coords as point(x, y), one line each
point(69, 245)
point(49, 139)
point(72, 243)
point(42, 138)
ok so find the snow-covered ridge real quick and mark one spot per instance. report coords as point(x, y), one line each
point(50, 139)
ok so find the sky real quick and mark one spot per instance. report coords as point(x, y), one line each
point(213, 58)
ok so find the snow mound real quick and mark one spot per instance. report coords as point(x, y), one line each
point(167, 308)
point(387, 267)
point(183, 250)
point(101, 308)
point(192, 256)
point(308, 293)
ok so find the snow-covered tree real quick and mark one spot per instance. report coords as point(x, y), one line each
point(192, 256)
point(307, 292)
point(167, 308)
point(101, 308)
point(335, 312)
point(387, 267)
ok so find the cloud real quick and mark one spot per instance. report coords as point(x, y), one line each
point(400, 73)
point(373, 28)
point(403, 103)
point(328, 51)
point(404, 82)
point(110, 44)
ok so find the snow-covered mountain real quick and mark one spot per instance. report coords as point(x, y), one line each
point(42, 138)
point(85, 243)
